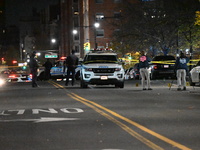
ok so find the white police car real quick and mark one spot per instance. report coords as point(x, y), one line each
point(102, 68)
point(194, 76)
point(59, 71)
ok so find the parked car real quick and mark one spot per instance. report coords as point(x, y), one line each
point(194, 75)
point(16, 76)
point(162, 66)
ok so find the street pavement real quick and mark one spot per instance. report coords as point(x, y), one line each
point(56, 117)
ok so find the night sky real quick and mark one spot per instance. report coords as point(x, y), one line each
point(19, 8)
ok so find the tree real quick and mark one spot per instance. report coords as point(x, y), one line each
point(156, 24)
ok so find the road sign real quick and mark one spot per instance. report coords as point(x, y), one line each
point(51, 55)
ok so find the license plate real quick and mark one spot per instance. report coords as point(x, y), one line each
point(103, 66)
point(104, 77)
point(166, 66)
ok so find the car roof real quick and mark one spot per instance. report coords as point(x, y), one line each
point(101, 53)
point(162, 57)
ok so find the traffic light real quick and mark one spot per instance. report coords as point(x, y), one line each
point(24, 67)
point(129, 55)
point(87, 46)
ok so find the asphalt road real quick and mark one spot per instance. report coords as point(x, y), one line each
point(56, 117)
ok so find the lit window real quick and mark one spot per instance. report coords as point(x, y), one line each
point(99, 16)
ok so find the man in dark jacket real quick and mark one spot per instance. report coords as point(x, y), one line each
point(71, 64)
point(181, 69)
point(48, 66)
point(33, 64)
point(144, 72)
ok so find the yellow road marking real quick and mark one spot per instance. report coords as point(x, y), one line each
point(123, 126)
point(56, 84)
point(167, 140)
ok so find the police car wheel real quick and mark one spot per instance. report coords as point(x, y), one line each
point(190, 81)
point(119, 85)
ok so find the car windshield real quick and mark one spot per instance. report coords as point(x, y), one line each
point(101, 59)
point(163, 58)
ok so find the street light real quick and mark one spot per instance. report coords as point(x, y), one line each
point(96, 25)
point(53, 41)
point(74, 31)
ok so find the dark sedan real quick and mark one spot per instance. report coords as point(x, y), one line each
point(162, 66)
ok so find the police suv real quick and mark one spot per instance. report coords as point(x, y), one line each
point(101, 68)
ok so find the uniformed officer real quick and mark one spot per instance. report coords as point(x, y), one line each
point(33, 64)
point(71, 64)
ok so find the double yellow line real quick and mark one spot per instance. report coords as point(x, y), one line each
point(113, 116)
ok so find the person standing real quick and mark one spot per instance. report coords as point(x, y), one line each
point(181, 69)
point(33, 64)
point(71, 64)
point(143, 67)
point(48, 66)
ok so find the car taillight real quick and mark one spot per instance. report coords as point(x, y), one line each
point(11, 76)
point(31, 76)
point(155, 67)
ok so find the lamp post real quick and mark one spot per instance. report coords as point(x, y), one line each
point(96, 25)
point(53, 43)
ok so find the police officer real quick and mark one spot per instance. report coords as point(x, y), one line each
point(181, 69)
point(71, 64)
point(33, 64)
point(144, 72)
point(48, 66)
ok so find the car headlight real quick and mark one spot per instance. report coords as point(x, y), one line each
point(117, 69)
point(88, 69)
point(1, 82)
point(197, 70)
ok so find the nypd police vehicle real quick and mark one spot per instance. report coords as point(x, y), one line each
point(59, 71)
point(101, 68)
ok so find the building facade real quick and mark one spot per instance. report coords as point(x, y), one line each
point(78, 30)
point(2, 30)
